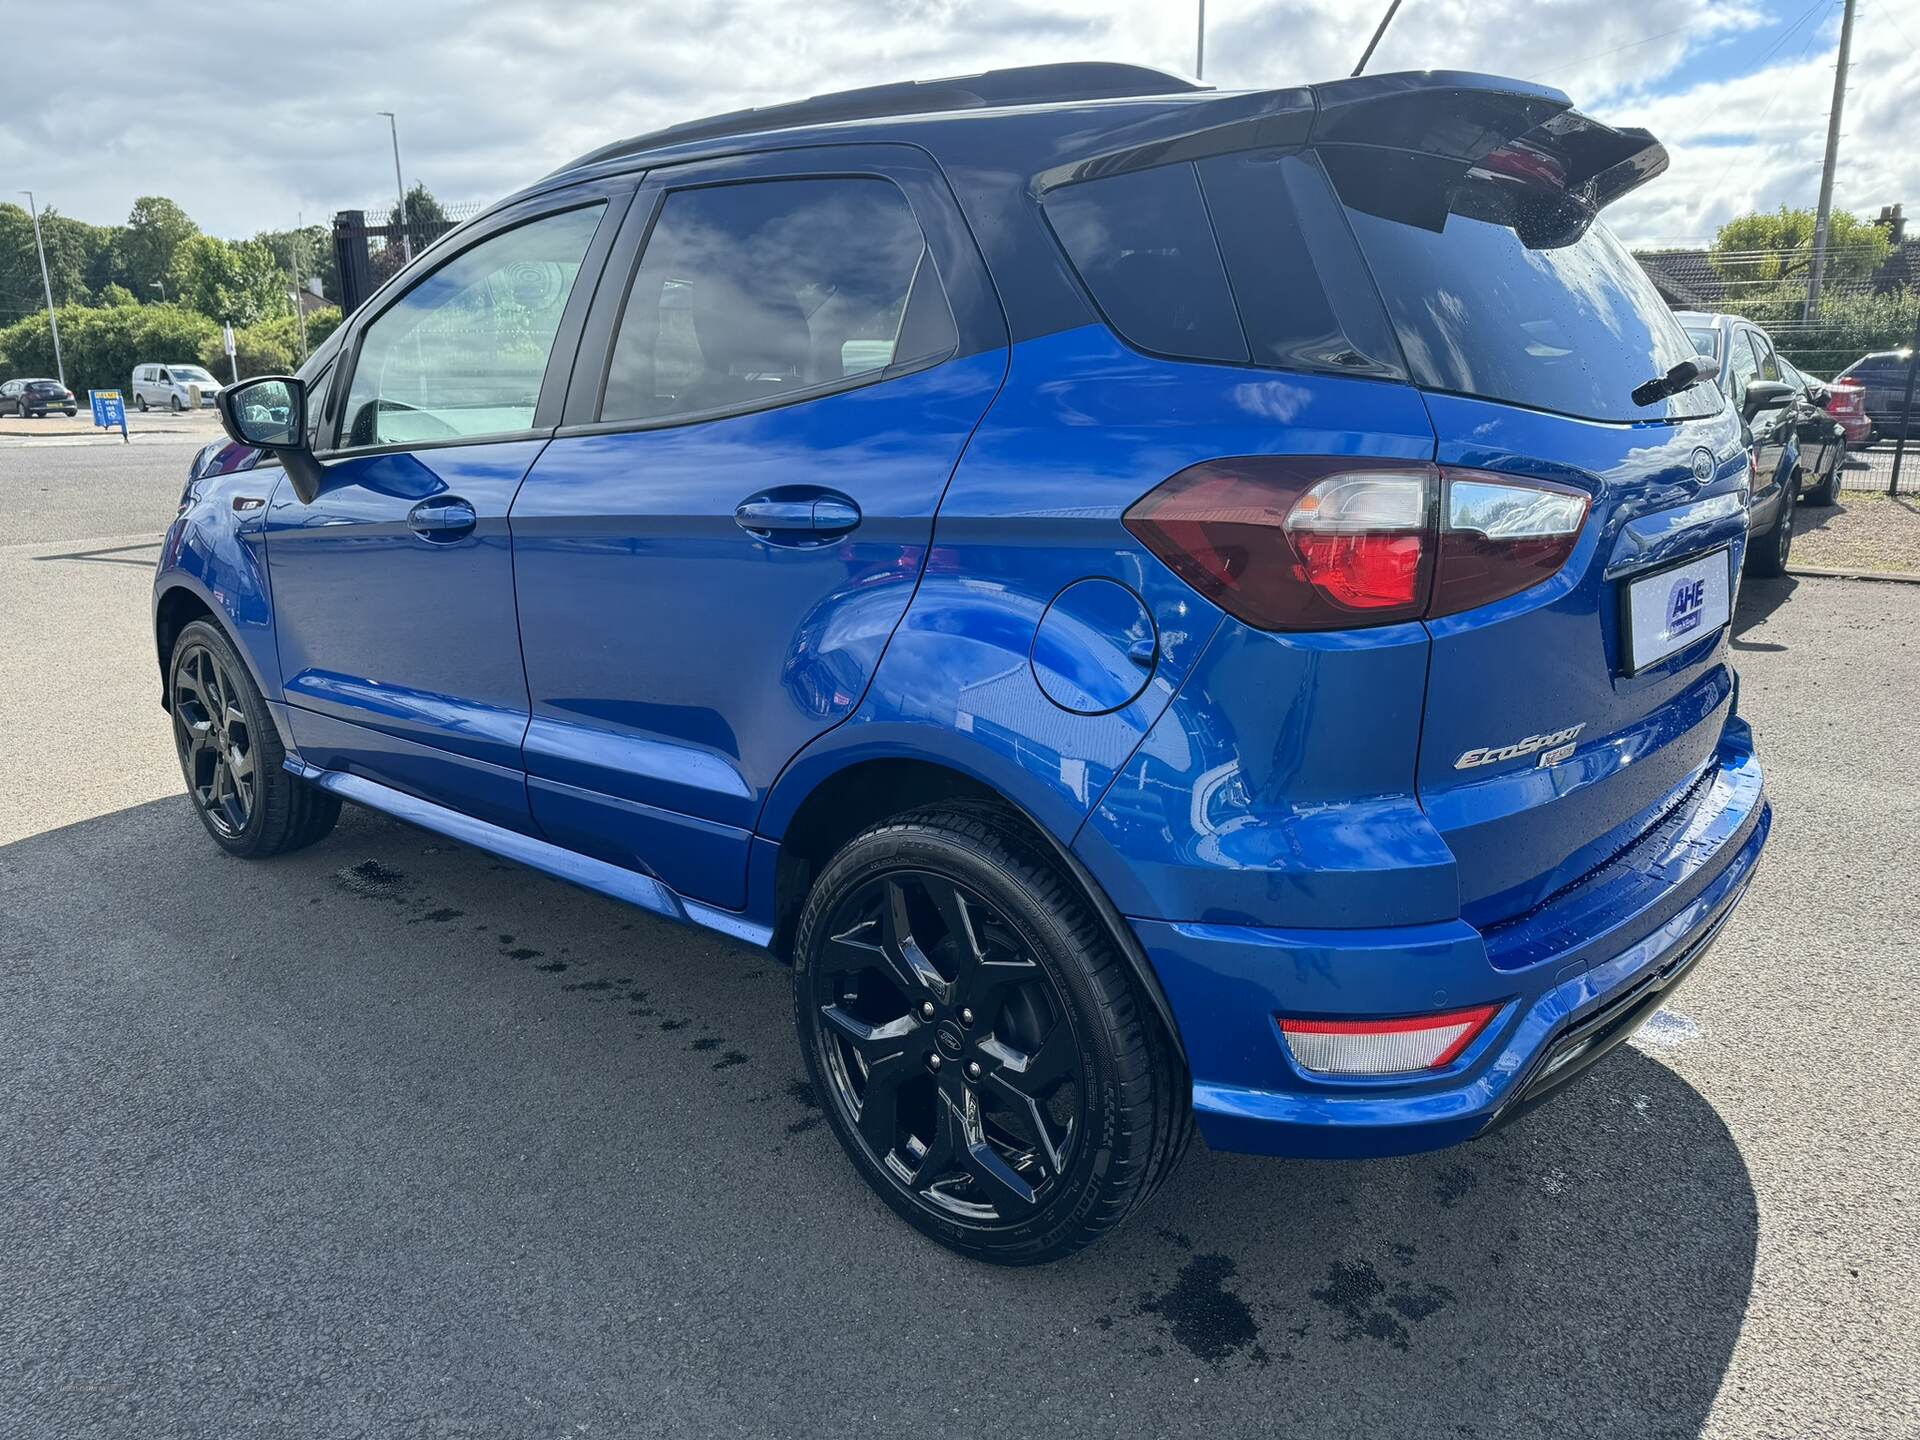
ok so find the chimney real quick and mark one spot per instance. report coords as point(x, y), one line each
point(1894, 223)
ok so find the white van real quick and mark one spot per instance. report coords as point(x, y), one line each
point(178, 387)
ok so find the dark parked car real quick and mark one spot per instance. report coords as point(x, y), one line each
point(1031, 550)
point(1821, 436)
point(34, 398)
point(1768, 404)
point(1883, 376)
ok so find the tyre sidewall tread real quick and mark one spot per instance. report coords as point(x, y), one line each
point(288, 814)
point(1136, 1108)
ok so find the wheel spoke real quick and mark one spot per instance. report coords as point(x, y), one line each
point(877, 1045)
point(1025, 1081)
point(909, 961)
point(998, 1184)
point(241, 764)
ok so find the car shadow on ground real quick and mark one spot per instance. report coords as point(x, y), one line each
point(1759, 598)
point(505, 1131)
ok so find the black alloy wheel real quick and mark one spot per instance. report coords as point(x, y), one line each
point(231, 755)
point(215, 741)
point(947, 1046)
point(981, 1049)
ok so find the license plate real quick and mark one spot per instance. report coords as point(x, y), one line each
point(1672, 608)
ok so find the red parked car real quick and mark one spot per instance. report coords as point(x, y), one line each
point(1847, 404)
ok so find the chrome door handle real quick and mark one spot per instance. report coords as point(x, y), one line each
point(797, 515)
point(442, 518)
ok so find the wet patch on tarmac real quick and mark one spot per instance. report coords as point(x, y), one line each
point(1205, 1318)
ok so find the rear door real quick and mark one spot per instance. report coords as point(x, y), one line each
point(771, 395)
point(1547, 743)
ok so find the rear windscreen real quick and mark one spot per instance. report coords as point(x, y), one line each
point(1568, 322)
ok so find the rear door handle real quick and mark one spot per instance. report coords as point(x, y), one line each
point(444, 517)
point(797, 515)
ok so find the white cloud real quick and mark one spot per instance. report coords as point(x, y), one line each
point(246, 119)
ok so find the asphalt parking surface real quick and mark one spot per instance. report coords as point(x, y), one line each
point(388, 1138)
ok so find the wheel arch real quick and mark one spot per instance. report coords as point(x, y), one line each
point(836, 806)
point(180, 601)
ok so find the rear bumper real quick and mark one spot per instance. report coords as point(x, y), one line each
point(1573, 980)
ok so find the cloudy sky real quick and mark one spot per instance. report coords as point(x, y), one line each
point(247, 119)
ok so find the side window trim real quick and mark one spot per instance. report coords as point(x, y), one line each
point(616, 195)
point(959, 269)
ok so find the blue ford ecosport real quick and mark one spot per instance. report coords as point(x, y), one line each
point(1166, 606)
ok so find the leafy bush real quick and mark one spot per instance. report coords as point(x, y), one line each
point(271, 347)
point(101, 345)
point(1846, 327)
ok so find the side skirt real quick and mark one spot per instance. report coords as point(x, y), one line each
point(582, 870)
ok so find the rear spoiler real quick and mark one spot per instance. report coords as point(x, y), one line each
point(1500, 130)
point(1490, 127)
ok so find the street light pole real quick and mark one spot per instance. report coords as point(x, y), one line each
point(1200, 44)
point(53, 322)
point(1823, 218)
point(399, 186)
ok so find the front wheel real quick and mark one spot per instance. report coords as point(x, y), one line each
point(978, 1044)
point(231, 754)
point(1827, 492)
point(173, 404)
point(1767, 554)
point(141, 401)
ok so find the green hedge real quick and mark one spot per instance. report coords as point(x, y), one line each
point(101, 345)
point(271, 347)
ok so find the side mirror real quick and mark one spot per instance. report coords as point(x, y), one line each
point(1764, 395)
point(270, 414)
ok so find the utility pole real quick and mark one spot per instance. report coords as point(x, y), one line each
point(399, 187)
point(1823, 220)
point(52, 321)
point(299, 283)
point(1200, 44)
point(1385, 20)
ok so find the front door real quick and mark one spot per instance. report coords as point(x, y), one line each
point(393, 589)
point(712, 556)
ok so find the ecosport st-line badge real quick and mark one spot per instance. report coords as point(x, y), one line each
point(1552, 747)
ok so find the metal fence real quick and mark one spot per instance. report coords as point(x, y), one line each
point(1866, 320)
point(370, 246)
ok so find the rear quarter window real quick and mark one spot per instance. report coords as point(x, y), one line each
point(1145, 248)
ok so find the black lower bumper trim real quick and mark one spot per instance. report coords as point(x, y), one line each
point(1591, 1038)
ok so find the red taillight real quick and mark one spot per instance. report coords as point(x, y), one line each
point(1384, 1047)
point(1286, 543)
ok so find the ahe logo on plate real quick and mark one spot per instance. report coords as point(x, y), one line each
point(1685, 605)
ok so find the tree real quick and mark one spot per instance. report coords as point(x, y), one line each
point(234, 281)
point(20, 287)
point(156, 229)
point(304, 254)
point(1758, 247)
point(426, 217)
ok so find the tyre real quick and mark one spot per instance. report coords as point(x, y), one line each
point(1827, 492)
point(231, 755)
point(1767, 554)
point(72, 413)
point(173, 404)
point(141, 402)
point(979, 1046)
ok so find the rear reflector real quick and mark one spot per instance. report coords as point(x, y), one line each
point(1384, 1047)
point(1312, 543)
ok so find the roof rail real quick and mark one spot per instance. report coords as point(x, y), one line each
point(1018, 85)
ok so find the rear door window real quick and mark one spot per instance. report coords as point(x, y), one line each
point(758, 293)
point(1564, 320)
point(1143, 244)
